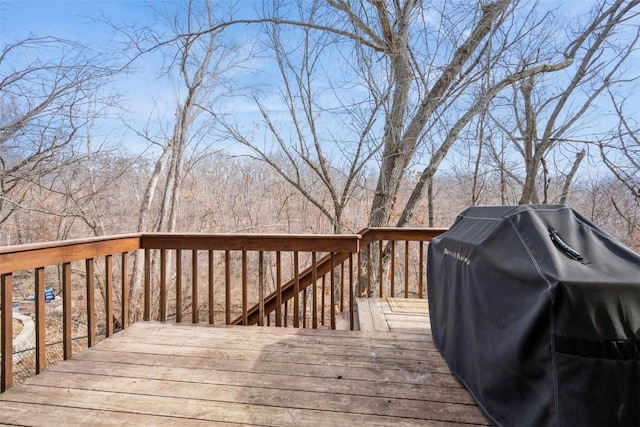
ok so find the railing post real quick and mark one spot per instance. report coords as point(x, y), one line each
point(6, 334)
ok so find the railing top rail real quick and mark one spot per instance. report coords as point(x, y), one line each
point(29, 256)
point(253, 242)
point(35, 255)
point(393, 233)
point(60, 243)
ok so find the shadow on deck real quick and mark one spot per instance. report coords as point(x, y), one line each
point(193, 375)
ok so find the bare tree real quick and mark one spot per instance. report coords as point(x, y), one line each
point(419, 67)
point(196, 62)
point(49, 92)
point(549, 111)
point(621, 152)
point(358, 37)
point(308, 150)
point(421, 86)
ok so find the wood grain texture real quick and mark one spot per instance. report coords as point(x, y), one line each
point(185, 374)
point(252, 242)
point(394, 314)
point(31, 256)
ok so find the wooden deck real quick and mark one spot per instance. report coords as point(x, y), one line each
point(394, 314)
point(190, 375)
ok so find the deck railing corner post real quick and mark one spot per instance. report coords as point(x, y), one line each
point(6, 334)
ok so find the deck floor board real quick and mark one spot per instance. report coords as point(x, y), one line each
point(196, 375)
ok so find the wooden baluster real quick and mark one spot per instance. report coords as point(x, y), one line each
point(125, 290)
point(380, 268)
point(296, 292)
point(342, 286)
point(392, 269)
point(211, 288)
point(245, 319)
point(108, 263)
point(227, 286)
point(163, 285)
point(66, 310)
point(304, 308)
point(421, 268)
point(314, 279)
point(147, 284)
point(406, 269)
point(178, 285)
point(351, 298)
point(6, 335)
point(333, 292)
point(286, 314)
point(91, 302)
point(359, 275)
point(194, 287)
point(369, 270)
point(323, 303)
point(261, 287)
point(278, 289)
point(41, 348)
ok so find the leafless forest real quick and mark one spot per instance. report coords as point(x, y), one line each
point(322, 117)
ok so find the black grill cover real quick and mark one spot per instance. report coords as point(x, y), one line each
point(537, 311)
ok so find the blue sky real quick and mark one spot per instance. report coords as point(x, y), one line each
point(79, 20)
point(61, 18)
point(146, 96)
point(71, 19)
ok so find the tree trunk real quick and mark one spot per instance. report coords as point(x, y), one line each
point(398, 152)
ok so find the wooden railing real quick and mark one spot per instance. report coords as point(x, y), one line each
point(62, 254)
point(230, 250)
point(367, 270)
point(281, 280)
